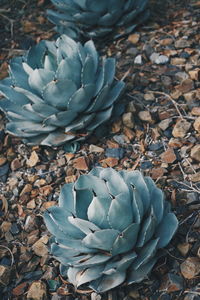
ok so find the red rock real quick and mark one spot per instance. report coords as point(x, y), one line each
point(112, 144)
point(130, 134)
point(166, 42)
point(109, 162)
point(80, 163)
point(2, 160)
point(168, 156)
point(48, 204)
point(15, 164)
point(157, 172)
point(20, 289)
point(45, 190)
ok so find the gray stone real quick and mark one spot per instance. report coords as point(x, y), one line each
point(182, 43)
point(138, 60)
point(181, 128)
point(128, 120)
point(164, 124)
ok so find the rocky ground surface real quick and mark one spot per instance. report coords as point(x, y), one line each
point(158, 134)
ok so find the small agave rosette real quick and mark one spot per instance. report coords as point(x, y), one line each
point(108, 228)
point(97, 19)
point(59, 92)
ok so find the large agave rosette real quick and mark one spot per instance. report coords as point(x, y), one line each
point(59, 92)
point(108, 228)
point(95, 18)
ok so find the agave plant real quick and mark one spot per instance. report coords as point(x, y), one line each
point(96, 19)
point(59, 92)
point(109, 227)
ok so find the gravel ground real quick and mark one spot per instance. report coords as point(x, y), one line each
point(159, 134)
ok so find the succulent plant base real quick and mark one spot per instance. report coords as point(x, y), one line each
point(109, 228)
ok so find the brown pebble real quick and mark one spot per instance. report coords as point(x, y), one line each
point(166, 42)
point(195, 177)
point(197, 124)
point(109, 162)
point(186, 86)
point(181, 128)
point(195, 152)
point(184, 248)
point(168, 156)
point(130, 134)
point(157, 172)
point(33, 159)
point(70, 178)
point(20, 289)
point(128, 120)
point(27, 189)
point(37, 291)
point(3, 160)
point(134, 38)
point(196, 111)
point(116, 126)
point(190, 267)
point(175, 143)
point(40, 247)
point(48, 204)
point(15, 164)
point(177, 61)
point(195, 74)
point(80, 163)
point(145, 115)
point(4, 275)
point(5, 226)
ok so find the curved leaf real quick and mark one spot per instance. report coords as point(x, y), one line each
point(58, 93)
point(102, 239)
point(81, 98)
point(166, 229)
point(108, 282)
point(126, 240)
point(120, 205)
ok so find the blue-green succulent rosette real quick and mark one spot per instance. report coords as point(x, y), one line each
point(96, 19)
point(59, 92)
point(109, 227)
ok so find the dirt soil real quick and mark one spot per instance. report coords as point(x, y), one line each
point(159, 134)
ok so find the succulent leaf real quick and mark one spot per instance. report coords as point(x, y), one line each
point(106, 233)
point(59, 92)
point(96, 19)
